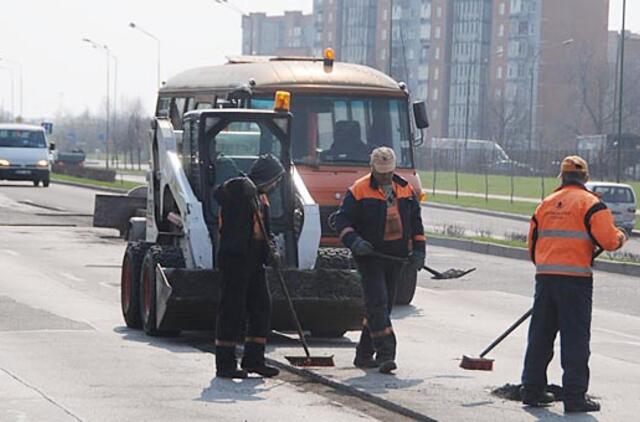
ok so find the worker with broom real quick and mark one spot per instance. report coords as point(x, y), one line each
point(380, 215)
point(565, 231)
point(242, 254)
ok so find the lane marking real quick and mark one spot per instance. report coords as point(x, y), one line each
point(10, 252)
point(110, 286)
point(71, 277)
point(617, 333)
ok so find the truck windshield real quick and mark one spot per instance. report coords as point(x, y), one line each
point(22, 138)
point(345, 129)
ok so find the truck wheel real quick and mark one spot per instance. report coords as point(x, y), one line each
point(130, 283)
point(45, 182)
point(406, 287)
point(36, 182)
point(166, 256)
point(328, 334)
point(335, 258)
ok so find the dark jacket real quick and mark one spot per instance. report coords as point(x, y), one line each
point(364, 213)
point(236, 220)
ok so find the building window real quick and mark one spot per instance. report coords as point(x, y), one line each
point(437, 33)
point(501, 9)
point(435, 94)
point(501, 30)
point(499, 72)
point(437, 54)
point(439, 12)
point(436, 74)
point(383, 34)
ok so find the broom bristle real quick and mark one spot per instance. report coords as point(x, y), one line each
point(310, 361)
point(478, 364)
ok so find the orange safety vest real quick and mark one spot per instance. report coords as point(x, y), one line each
point(565, 229)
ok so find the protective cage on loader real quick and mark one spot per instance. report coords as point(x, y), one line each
point(169, 280)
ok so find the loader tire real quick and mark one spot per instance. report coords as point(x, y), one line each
point(130, 283)
point(335, 259)
point(166, 256)
point(406, 286)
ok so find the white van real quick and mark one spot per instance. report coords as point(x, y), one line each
point(24, 153)
point(620, 199)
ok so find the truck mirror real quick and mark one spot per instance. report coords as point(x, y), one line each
point(420, 114)
point(52, 146)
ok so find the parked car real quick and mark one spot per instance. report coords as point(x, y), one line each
point(621, 200)
point(24, 153)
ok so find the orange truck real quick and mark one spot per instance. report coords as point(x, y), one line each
point(341, 113)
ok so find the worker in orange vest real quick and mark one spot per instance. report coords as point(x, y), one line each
point(381, 213)
point(564, 233)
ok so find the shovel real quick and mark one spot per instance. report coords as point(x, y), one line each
point(437, 275)
point(306, 360)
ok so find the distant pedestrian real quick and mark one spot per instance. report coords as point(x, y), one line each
point(564, 233)
point(381, 213)
point(242, 254)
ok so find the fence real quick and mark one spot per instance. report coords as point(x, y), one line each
point(515, 173)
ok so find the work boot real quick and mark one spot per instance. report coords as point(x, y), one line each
point(584, 405)
point(253, 361)
point(226, 364)
point(364, 351)
point(535, 398)
point(386, 353)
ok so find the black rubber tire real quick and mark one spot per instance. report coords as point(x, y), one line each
point(328, 334)
point(35, 183)
point(335, 258)
point(45, 182)
point(130, 283)
point(166, 256)
point(406, 288)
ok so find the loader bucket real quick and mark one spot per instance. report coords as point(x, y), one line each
point(114, 211)
point(326, 300)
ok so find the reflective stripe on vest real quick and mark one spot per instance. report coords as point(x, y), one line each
point(567, 234)
point(563, 269)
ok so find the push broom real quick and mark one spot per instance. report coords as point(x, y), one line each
point(306, 360)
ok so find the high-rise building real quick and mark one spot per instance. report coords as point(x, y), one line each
point(289, 34)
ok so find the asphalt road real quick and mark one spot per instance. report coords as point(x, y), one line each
point(66, 356)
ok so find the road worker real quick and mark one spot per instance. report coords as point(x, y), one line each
point(380, 213)
point(245, 304)
point(566, 230)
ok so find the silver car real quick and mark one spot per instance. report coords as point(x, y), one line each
point(621, 200)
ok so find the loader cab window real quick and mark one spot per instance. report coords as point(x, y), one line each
point(162, 109)
point(176, 110)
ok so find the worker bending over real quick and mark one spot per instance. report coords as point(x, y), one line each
point(381, 213)
point(564, 233)
point(242, 254)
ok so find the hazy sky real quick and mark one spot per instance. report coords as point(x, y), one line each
point(62, 72)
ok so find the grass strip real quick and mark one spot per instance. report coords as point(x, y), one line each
point(122, 184)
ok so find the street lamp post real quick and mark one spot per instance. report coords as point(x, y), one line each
point(19, 66)
point(133, 25)
point(13, 104)
point(532, 88)
point(108, 114)
point(619, 146)
point(242, 13)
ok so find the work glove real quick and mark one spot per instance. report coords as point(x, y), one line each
point(416, 262)
point(275, 259)
point(361, 247)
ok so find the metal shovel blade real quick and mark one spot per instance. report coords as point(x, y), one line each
point(451, 273)
point(310, 360)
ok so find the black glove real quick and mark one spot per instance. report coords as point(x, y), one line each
point(361, 247)
point(417, 260)
point(275, 259)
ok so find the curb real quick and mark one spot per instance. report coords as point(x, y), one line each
point(523, 254)
point(80, 185)
point(362, 395)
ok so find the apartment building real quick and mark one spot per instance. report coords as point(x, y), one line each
point(289, 34)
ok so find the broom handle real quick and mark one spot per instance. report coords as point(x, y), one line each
point(283, 284)
point(509, 330)
point(404, 260)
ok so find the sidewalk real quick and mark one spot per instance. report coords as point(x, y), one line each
point(482, 195)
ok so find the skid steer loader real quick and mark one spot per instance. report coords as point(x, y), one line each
point(169, 280)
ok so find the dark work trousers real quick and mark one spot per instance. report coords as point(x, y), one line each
point(244, 298)
point(379, 279)
point(562, 303)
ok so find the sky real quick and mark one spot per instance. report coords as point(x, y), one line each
point(63, 74)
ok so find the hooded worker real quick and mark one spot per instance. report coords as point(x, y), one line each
point(565, 231)
point(381, 213)
point(243, 251)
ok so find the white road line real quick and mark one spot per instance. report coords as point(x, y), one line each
point(71, 277)
point(10, 252)
point(616, 333)
point(109, 286)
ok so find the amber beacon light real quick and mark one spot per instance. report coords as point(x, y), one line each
point(329, 56)
point(282, 101)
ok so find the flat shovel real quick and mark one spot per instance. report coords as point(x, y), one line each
point(437, 275)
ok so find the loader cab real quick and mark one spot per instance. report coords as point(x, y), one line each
point(219, 144)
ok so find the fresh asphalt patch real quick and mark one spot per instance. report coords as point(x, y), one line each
point(15, 316)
